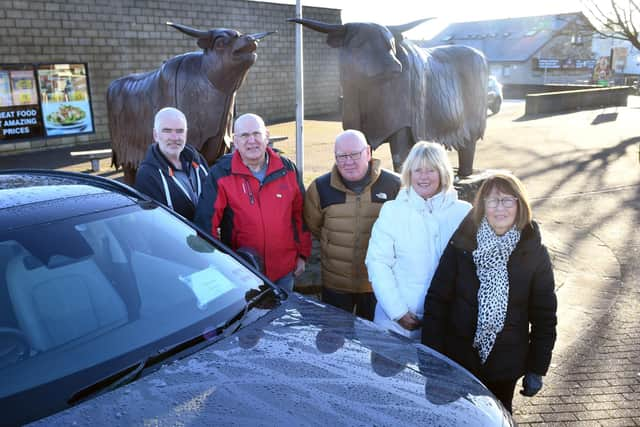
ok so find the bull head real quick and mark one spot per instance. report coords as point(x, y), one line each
point(227, 53)
point(367, 51)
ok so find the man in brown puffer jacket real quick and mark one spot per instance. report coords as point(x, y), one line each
point(340, 208)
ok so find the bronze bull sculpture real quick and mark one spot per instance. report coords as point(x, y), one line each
point(397, 92)
point(200, 84)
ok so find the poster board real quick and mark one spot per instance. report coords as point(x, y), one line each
point(44, 101)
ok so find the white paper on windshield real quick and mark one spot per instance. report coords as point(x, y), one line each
point(207, 285)
point(233, 270)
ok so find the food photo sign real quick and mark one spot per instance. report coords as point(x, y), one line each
point(44, 100)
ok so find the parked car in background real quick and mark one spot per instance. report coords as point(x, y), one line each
point(494, 95)
point(116, 311)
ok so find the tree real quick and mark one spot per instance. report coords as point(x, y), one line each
point(618, 19)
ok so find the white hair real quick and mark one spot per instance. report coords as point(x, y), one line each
point(165, 112)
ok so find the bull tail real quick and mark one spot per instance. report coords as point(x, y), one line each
point(453, 86)
point(475, 92)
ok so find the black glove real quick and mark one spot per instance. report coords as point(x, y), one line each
point(531, 384)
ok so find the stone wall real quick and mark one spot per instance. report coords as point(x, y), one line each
point(574, 100)
point(119, 37)
point(520, 91)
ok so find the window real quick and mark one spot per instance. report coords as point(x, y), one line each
point(44, 100)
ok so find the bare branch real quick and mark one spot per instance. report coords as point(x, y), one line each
point(618, 22)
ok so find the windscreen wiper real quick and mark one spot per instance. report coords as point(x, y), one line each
point(255, 298)
point(111, 382)
point(133, 372)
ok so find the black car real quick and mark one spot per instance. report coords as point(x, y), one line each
point(116, 311)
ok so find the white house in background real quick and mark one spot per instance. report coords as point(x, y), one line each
point(625, 59)
point(529, 50)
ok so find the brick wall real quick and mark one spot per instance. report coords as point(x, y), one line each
point(119, 37)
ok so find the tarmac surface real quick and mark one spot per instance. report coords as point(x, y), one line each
point(582, 171)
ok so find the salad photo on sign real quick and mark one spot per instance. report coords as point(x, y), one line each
point(66, 117)
point(65, 99)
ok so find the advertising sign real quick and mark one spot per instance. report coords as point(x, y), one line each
point(602, 71)
point(5, 90)
point(65, 99)
point(20, 122)
point(565, 64)
point(548, 63)
point(619, 58)
point(23, 87)
point(19, 110)
point(44, 100)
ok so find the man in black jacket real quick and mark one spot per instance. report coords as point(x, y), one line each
point(172, 172)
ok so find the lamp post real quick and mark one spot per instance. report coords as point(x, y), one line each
point(299, 93)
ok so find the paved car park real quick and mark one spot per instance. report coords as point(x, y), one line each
point(582, 171)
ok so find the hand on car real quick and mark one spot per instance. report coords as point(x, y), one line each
point(300, 263)
point(410, 321)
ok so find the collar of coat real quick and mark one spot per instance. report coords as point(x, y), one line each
point(187, 156)
point(336, 181)
point(438, 201)
point(465, 236)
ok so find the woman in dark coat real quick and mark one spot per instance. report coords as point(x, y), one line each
point(491, 305)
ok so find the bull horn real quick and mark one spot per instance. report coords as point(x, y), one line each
point(199, 34)
point(319, 26)
point(258, 36)
point(395, 29)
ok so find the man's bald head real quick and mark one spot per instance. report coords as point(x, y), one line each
point(249, 119)
point(250, 139)
point(352, 137)
point(352, 155)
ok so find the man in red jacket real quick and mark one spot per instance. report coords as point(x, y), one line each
point(254, 198)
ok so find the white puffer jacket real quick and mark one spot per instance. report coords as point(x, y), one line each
point(406, 243)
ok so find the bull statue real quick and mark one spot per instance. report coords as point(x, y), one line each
point(200, 84)
point(396, 92)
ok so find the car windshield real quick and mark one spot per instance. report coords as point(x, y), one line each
point(108, 289)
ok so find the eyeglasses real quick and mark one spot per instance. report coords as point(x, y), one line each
point(507, 202)
point(246, 135)
point(179, 131)
point(342, 158)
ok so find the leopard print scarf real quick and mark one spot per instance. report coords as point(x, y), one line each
point(491, 259)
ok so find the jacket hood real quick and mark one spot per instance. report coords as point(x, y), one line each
point(303, 363)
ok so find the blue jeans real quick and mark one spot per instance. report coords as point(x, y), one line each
point(286, 282)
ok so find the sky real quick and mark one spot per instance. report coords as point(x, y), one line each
point(393, 12)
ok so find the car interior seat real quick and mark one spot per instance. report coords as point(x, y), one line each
point(63, 300)
point(7, 317)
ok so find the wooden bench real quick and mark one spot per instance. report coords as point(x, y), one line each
point(94, 155)
point(273, 139)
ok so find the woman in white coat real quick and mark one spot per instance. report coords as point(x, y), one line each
point(409, 236)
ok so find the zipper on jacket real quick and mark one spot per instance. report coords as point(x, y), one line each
point(356, 243)
point(246, 187)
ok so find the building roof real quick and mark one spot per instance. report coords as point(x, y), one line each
point(504, 40)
